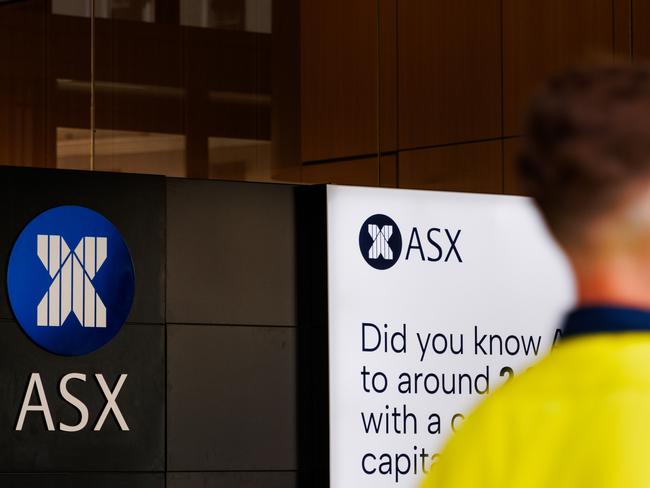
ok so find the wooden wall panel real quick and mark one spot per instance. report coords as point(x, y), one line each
point(540, 38)
point(511, 184)
point(449, 71)
point(24, 105)
point(339, 51)
point(623, 29)
point(641, 29)
point(388, 75)
point(465, 167)
point(388, 171)
point(364, 172)
point(285, 87)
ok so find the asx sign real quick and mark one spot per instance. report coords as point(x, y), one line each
point(380, 243)
point(71, 283)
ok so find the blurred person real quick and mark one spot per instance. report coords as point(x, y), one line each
point(581, 416)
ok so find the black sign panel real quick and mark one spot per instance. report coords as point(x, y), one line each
point(102, 411)
point(83, 480)
point(134, 204)
point(42, 444)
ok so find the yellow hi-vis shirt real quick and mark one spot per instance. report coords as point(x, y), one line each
point(578, 418)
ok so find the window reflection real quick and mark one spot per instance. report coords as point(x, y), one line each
point(245, 15)
point(139, 10)
point(181, 87)
point(120, 88)
point(121, 151)
point(259, 16)
point(239, 159)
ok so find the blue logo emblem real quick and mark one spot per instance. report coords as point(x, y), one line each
point(380, 241)
point(70, 280)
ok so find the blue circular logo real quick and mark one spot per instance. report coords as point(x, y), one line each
point(70, 280)
point(380, 241)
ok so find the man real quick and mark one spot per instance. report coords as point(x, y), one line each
point(581, 416)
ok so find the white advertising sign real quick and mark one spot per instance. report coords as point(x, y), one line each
point(435, 299)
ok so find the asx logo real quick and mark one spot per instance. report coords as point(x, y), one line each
point(380, 242)
point(66, 269)
point(35, 385)
point(70, 280)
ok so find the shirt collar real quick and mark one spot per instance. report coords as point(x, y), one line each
point(605, 319)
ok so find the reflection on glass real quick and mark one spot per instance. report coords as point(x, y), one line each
point(259, 16)
point(140, 10)
point(122, 151)
point(239, 159)
point(120, 88)
point(245, 15)
point(168, 99)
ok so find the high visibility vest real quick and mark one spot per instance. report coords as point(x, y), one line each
point(578, 418)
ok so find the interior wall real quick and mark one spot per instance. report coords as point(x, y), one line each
point(431, 94)
point(210, 345)
point(399, 93)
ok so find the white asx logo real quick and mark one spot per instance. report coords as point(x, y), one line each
point(380, 237)
point(380, 241)
point(72, 273)
point(36, 385)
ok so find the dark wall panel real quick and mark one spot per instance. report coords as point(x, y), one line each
point(388, 58)
point(232, 480)
point(23, 85)
point(83, 480)
point(511, 184)
point(449, 71)
point(464, 167)
point(339, 78)
point(134, 204)
point(230, 253)
point(641, 29)
point(139, 351)
point(230, 390)
point(285, 89)
point(540, 38)
point(364, 171)
point(231, 398)
point(623, 29)
point(388, 171)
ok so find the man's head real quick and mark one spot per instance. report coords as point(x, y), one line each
point(586, 162)
point(587, 146)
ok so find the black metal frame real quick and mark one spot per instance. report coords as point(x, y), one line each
point(313, 359)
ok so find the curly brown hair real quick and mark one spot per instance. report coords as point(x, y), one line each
point(587, 142)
